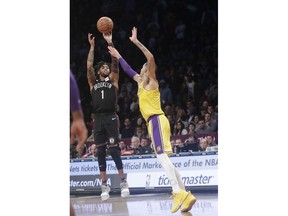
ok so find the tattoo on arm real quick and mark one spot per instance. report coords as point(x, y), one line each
point(90, 59)
point(90, 69)
point(90, 75)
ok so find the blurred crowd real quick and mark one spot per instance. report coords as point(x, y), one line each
point(183, 37)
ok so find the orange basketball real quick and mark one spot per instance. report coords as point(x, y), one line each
point(105, 25)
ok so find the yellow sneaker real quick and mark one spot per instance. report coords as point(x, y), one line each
point(178, 200)
point(188, 202)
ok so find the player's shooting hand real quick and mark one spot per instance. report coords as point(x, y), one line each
point(133, 38)
point(108, 37)
point(91, 39)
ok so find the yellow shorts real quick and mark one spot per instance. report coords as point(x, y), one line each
point(159, 132)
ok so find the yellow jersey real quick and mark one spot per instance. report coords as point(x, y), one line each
point(149, 102)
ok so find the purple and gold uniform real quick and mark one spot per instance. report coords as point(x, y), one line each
point(158, 124)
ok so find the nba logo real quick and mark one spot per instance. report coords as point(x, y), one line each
point(111, 140)
point(148, 177)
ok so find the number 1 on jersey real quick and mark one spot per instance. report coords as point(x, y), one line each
point(102, 93)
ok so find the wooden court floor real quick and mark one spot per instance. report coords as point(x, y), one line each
point(142, 205)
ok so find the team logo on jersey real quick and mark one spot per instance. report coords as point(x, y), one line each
point(102, 85)
point(111, 140)
point(159, 148)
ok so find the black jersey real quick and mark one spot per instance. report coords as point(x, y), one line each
point(104, 96)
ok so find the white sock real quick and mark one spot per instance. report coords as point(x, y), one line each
point(180, 182)
point(170, 171)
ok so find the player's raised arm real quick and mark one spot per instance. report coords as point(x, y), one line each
point(114, 75)
point(149, 56)
point(125, 66)
point(90, 61)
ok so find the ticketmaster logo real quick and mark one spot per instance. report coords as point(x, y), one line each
point(187, 180)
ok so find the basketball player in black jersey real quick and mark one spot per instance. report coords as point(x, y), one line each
point(104, 87)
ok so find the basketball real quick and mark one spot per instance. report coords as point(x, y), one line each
point(105, 25)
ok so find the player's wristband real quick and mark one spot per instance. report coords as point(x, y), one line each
point(126, 68)
point(75, 102)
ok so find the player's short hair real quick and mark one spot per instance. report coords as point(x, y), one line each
point(99, 64)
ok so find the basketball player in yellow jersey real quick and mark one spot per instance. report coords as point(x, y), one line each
point(158, 125)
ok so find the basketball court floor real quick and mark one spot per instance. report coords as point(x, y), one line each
point(142, 205)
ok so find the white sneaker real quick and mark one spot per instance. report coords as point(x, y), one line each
point(105, 192)
point(124, 189)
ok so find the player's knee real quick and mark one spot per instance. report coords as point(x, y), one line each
point(102, 164)
point(102, 158)
point(115, 154)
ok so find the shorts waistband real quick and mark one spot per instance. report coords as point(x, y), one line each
point(153, 116)
point(104, 114)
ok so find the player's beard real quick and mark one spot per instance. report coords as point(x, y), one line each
point(104, 75)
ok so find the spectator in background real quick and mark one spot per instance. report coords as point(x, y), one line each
point(123, 147)
point(205, 104)
point(145, 130)
point(211, 140)
point(171, 123)
point(139, 121)
point(191, 139)
point(92, 152)
point(181, 116)
point(165, 92)
point(179, 129)
point(134, 104)
point(190, 110)
point(128, 130)
point(203, 111)
point(190, 83)
point(145, 147)
point(168, 110)
point(203, 144)
point(128, 85)
point(180, 146)
point(191, 143)
point(139, 132)
point(213, 114)
point(123, 92)
point(124, 106)
point(210, 123)
point(196, 122)
point(191, 129)
point(135, 143)
point(203, 128)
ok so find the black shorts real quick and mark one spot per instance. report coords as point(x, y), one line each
point(106, 128)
